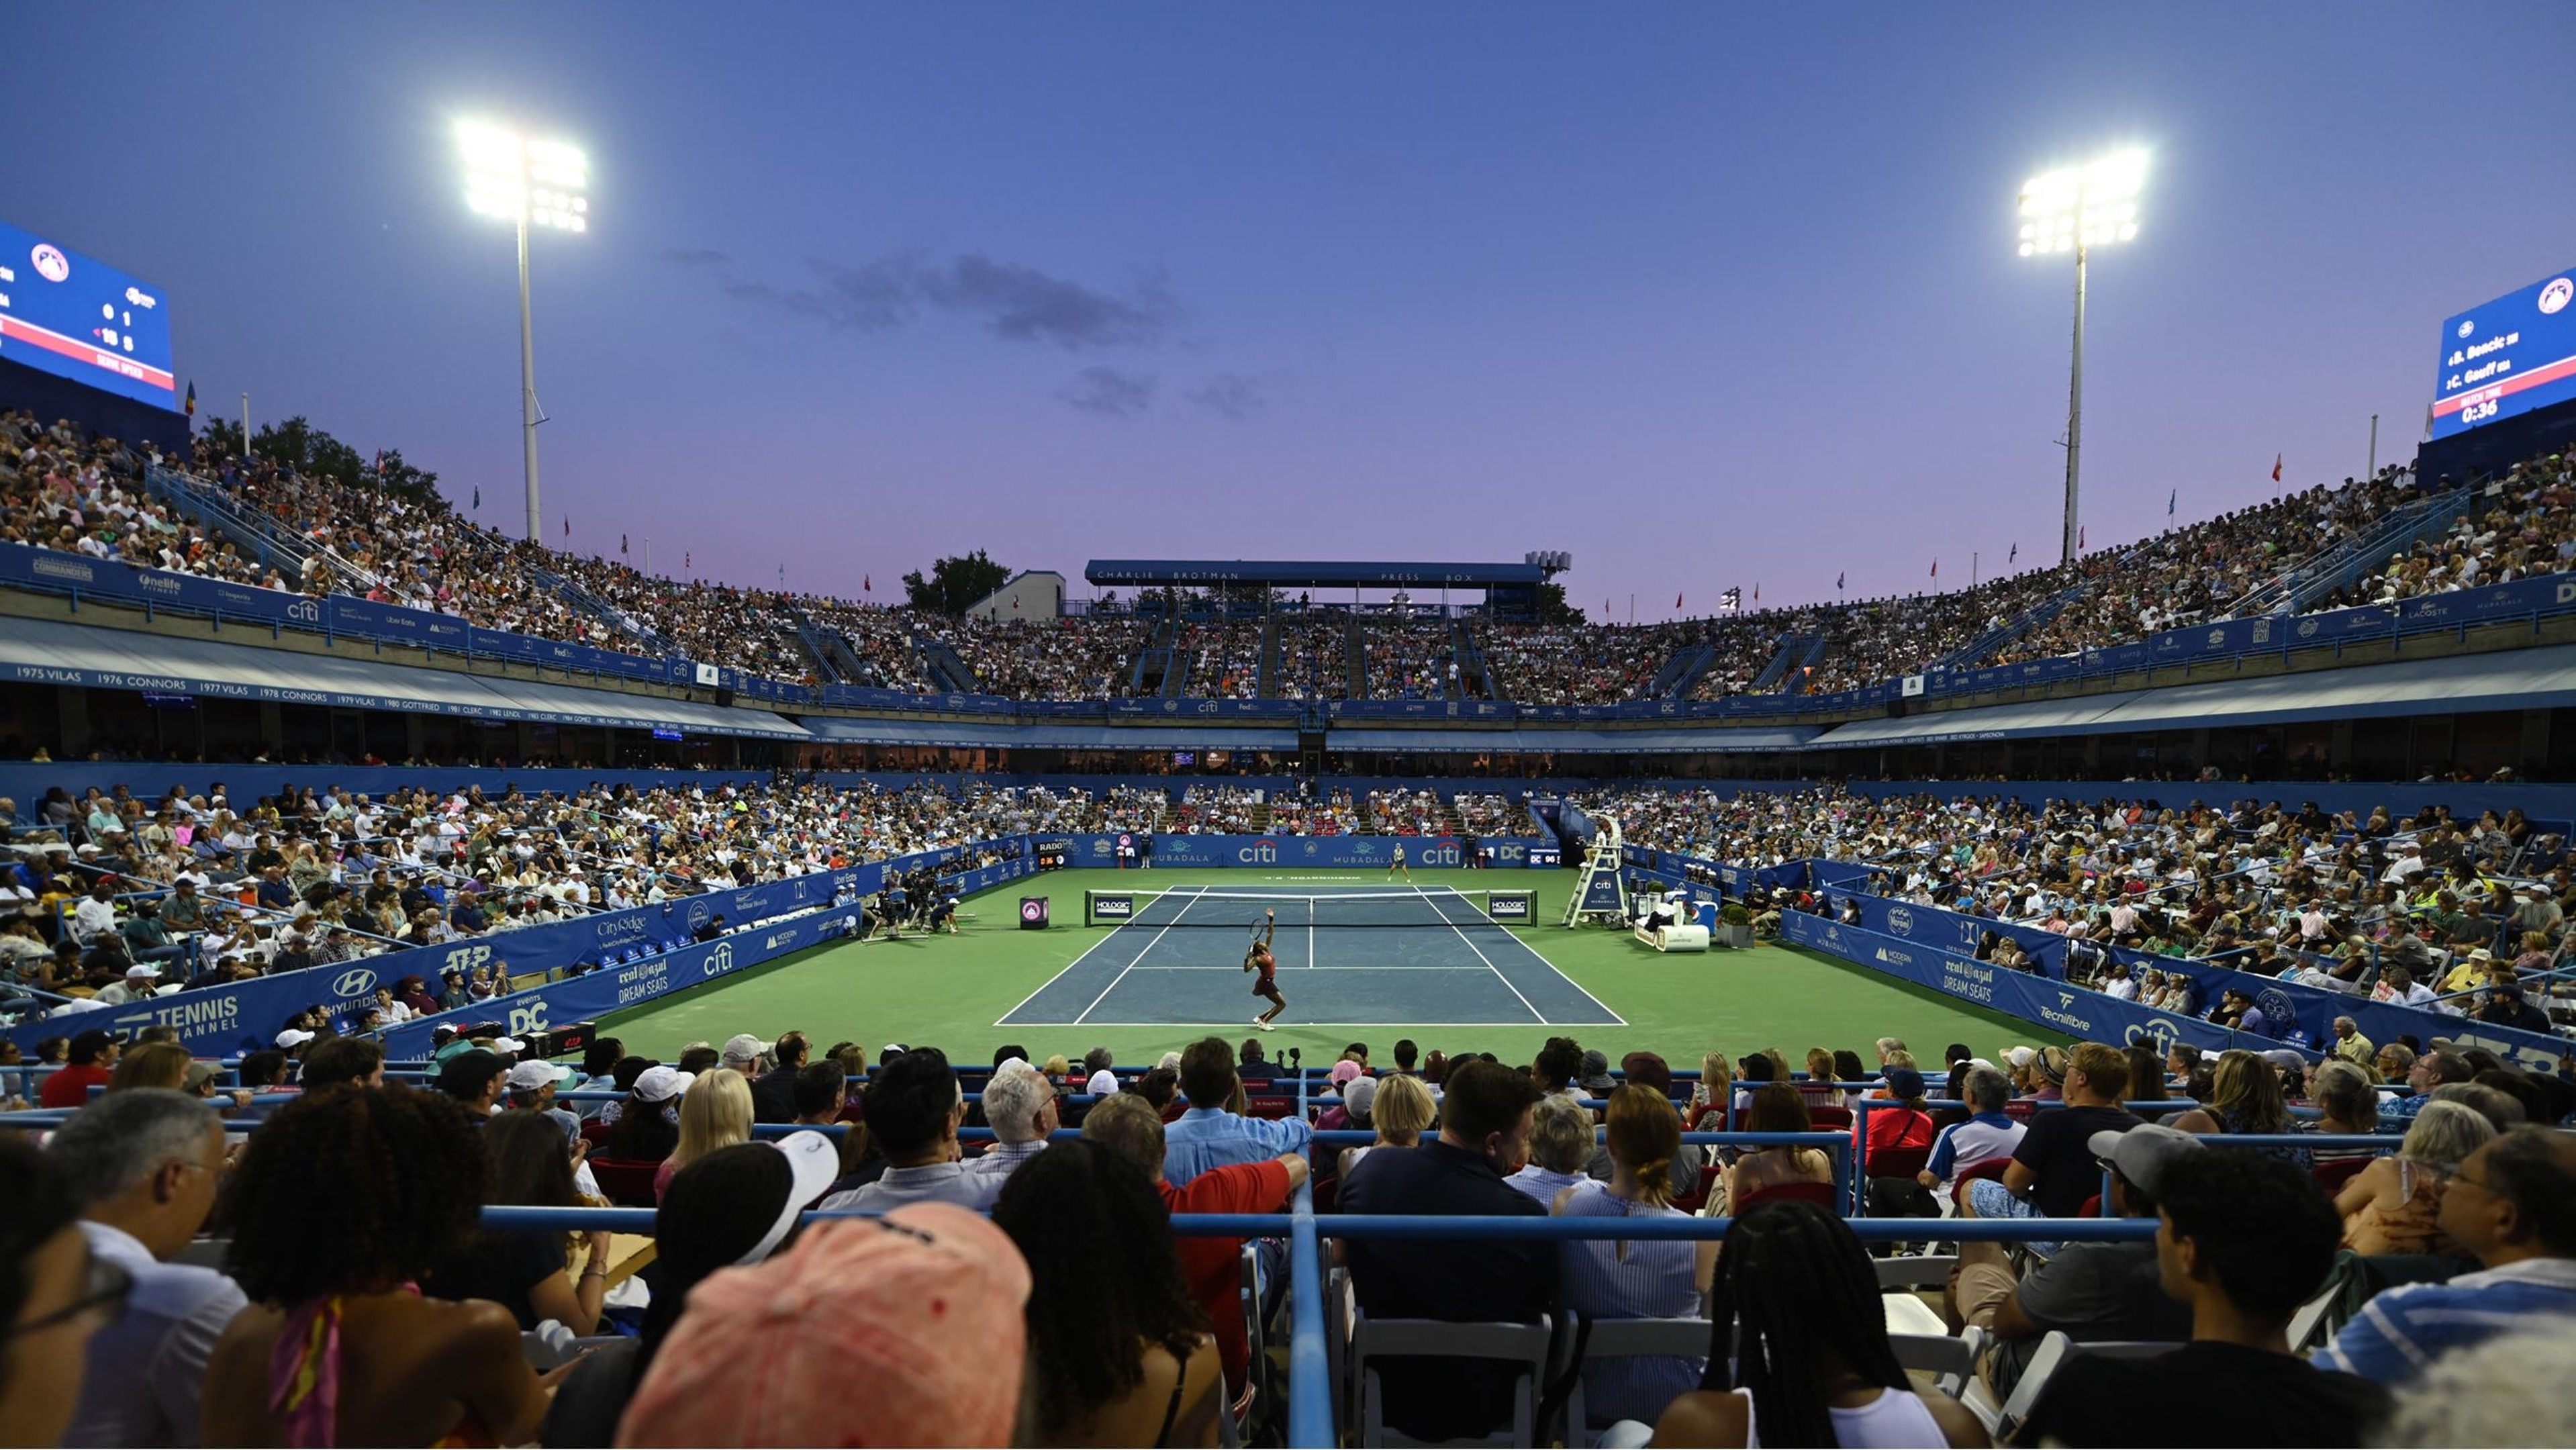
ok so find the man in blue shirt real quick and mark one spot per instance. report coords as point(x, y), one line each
point(1207, 1136)
point(1485, 1120)
point(2513, 1204)
point(2434, 1069)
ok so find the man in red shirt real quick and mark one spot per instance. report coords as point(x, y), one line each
point(86, 1065)
point(1129, 1127)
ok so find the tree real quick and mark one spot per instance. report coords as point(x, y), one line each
point(1552, 605)
point(955, 583)
point(299, 445)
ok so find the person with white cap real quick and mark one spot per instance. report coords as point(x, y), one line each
point(742, 1054)
point(137, 983)
point(532, 1085)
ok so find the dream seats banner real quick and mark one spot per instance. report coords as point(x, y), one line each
point(237, 1016)
point(1113, 849)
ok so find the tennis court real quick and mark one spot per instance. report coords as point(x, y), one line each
point(1429, 955)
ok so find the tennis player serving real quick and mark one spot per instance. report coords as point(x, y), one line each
point(1260, 959)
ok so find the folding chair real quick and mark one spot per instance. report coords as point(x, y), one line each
point(1948, 1360)
point(1627, 1339)
point(1524, 1346)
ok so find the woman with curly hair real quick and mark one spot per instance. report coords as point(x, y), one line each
point(525, 1270)
point(1119, 1352)
point(344, 1200)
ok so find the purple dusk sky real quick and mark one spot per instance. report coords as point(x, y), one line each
point(1707, 295)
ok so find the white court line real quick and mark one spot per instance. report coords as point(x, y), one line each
point(1140, 956)
point(1005, 1018)
point(1537, 1017)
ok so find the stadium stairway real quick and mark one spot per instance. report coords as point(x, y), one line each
point(1984, 647)
point(273, 545)
point(1355, 657)
point(820, 642)
point(947, 668)
point(1266, 681)
point(1681, 672)
point(1797, 650)
point(2297, 587)
point(1475, 674)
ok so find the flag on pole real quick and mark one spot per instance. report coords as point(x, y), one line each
point(1677, 599)
point(192, 400)
point(567, 526)
point(2276, 468)
point(2016, 552)
point(2079, 538)
point(1757, 591)
point(621, 543)
point(2170, 499)
point(478, 496)
point(1936, 568)
point(1838, 581)
point(867, 584)
point(687, 559)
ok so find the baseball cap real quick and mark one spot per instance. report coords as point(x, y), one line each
point(536, 1073)
point(2142, 1153)
point(661, 1084)
point(293, 1037)
point(1904, 1083)
point(813, 1161)
point(509, 1045)
point(1360, 1097)
point(2019, 1056)
point(743, 1047)
point(142, 969)
point(200, 1074)
point(1104, 1083)
point(918, 1316)
point(1344, 1071)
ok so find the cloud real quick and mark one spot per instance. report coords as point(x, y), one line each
point(1106, 390)
point(695, 257)
point(1013, 302)
point(1231, 394)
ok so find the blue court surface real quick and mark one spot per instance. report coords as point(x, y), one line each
point(1355, 957)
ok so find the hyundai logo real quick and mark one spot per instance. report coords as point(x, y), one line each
point(356, 982)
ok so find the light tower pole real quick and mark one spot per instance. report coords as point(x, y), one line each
point(531, 184)
point(2075, 210)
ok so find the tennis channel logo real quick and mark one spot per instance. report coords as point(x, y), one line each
point(1114, 908)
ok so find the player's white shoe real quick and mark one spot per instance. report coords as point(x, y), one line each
point(1261, 1023)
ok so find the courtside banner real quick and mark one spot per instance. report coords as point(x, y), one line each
point(1377, 853)
point(1508, 906)
point(608, 989)
point(224, 1020)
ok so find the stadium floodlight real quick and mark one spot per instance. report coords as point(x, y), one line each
point(2075, 210)
point(529, 184)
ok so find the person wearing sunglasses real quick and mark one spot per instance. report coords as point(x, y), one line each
point(53, 1296)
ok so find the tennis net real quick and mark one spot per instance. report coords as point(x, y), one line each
point(1442, 909)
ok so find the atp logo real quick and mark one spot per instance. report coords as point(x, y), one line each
point(466, 959)
point(356, 982)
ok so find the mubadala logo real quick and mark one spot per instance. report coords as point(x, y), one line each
point(1900, 921)
point(356, 982)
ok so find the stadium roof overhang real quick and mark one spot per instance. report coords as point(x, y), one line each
point(2528, 679)
point(49, 652)
point(881, 730)
point(1307, 574)
point(1757, 740)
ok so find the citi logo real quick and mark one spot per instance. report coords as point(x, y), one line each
point(720, 960)
point(1262, 851)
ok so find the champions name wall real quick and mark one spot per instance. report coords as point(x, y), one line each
point(1936, 948)
point(241, 1016)
point(1113, 848)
